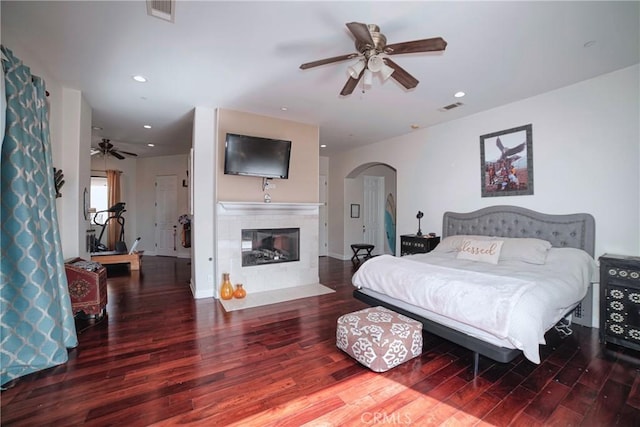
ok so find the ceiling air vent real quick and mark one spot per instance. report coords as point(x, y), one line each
point(451, 106)
point(163, 9)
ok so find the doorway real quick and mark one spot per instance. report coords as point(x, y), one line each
point(373, 213)
point(372, 185)
point(166, 224)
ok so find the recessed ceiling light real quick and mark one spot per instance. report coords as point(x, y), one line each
point(140, 79)
point(284, 108)
point(459, 94)
point(589, 43)
point(151, 145)
point(147, 126)
point(96, 128)
point(323, 145)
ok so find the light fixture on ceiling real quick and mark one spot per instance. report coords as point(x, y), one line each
point(96, 128)
point(139, 78)
point(368, 77)
point(377, 65)
point(283, 108)
point(151, 145)
point(356, 69)
point(323, 145)
point(372, 64)
point(147, 126)
point(386, 71)
point(459, 94)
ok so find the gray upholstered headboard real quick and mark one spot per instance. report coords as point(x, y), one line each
point(573, 230)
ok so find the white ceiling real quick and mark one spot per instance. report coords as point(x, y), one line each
point(245, 56)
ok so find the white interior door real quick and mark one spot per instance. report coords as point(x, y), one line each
point(322, 218)
point(166, 215)
point(373, 212)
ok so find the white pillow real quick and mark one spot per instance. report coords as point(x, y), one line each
point(526, 249)
point(480, 250)
point(453, 243)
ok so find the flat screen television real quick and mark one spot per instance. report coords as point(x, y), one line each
point(256, 156)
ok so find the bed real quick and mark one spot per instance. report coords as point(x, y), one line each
point(530, 296)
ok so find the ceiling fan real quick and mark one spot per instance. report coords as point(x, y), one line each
point(372, 49)
point(107, 148)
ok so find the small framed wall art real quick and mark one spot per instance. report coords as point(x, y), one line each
point(355, 210)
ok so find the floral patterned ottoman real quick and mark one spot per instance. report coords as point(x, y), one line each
point(379, 338)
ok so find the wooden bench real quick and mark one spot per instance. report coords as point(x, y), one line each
point(134, 260)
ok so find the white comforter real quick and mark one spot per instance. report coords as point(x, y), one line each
point(515, 302)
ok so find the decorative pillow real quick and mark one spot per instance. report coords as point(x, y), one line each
point(453, 243)
point(480, 250)
point(526, 249)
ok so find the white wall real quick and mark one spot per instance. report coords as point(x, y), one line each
point(75, 164)
point(146, 171)
point(203, 224)
point(324, 165)
point(586, 149)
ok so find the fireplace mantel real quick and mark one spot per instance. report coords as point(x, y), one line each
point(234, 208)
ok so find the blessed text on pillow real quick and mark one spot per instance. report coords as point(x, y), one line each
point(480, 250)
point(525, 249)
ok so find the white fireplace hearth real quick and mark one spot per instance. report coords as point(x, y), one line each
point(233, 217)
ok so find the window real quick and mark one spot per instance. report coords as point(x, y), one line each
point(99, 199)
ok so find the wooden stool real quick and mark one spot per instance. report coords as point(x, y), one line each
point(357, 248)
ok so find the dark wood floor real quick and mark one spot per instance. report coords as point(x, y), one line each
point(161, 357)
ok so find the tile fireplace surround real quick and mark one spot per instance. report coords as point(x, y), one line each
point(232, 217)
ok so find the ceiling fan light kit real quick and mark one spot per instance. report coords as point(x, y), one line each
point(356, 69)
point(368, 77)
point(386, 71)
point(371, 45)
point(375, 63)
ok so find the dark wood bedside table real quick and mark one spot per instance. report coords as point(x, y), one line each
point(620, 300)
point(411, 244)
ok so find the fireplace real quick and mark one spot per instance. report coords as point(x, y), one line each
point(270, 246)
point(233, 217)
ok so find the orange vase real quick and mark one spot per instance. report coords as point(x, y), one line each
point(239, 292)
point(226, 290)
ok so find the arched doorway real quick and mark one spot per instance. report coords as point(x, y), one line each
point(370, 201)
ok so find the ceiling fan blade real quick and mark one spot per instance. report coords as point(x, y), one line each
point(328, 61)
point(127, 153)
point(351, 85)
point(401, 75)
point(361, 32)
point(116, 154)
point(416, 46)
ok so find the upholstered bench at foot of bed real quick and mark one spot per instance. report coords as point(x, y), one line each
point(379, 338)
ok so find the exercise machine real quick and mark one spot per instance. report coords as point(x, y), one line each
point(114, 216)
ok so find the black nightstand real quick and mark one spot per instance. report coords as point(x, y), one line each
point(620, 300)
point(411, 244)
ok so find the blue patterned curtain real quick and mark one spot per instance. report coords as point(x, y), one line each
point(37, 323)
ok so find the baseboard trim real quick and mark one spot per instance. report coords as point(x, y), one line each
point(338, 256)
